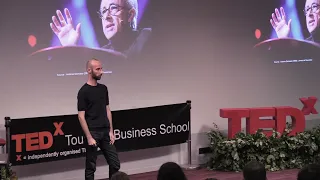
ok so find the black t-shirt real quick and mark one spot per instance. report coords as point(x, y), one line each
point(93, 100)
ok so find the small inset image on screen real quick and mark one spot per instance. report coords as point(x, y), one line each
point(291, 32)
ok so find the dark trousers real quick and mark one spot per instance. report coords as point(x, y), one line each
point(109, 151)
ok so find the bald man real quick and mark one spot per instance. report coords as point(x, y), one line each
point(96, 121)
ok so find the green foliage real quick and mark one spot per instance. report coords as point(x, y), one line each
point(277, 152)
point(7, 173)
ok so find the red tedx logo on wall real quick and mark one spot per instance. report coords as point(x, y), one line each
point(278, 114)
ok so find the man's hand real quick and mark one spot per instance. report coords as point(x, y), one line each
point(65, 30)
point(92, 142)
point(279, 23)
point(112, 139)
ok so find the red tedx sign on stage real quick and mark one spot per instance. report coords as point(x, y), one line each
point(278, 122)
point(37, 140)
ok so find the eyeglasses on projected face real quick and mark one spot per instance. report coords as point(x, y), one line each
point(312, 9)
point(112, 10)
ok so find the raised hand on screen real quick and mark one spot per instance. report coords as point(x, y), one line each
point(64, 29)
point(280, 24)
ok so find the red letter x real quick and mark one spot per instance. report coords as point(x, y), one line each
point(58, 128)
point(18, 158)
point(308, 105)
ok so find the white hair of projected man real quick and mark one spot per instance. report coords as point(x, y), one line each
point(133, 4)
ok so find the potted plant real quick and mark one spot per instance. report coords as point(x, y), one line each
point(277, 152)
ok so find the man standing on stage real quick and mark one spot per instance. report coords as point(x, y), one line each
point(96, 121)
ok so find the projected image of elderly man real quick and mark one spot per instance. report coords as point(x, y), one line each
point(282, 25)
point(119, 25)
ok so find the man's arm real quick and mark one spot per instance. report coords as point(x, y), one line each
point(84, 124)
point(81, 114)
point(109, 114)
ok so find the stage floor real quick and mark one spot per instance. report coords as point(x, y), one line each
point(202, 174)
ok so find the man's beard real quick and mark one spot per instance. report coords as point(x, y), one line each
point(96, 77)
